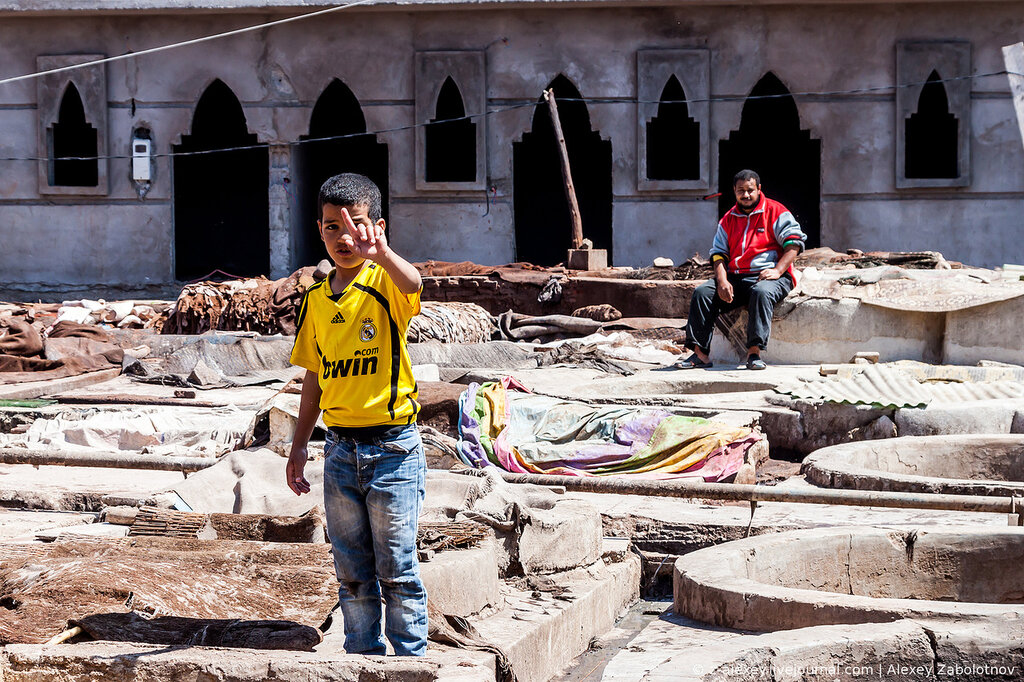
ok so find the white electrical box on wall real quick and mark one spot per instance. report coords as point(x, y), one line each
point(141, 161)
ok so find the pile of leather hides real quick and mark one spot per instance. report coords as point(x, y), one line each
point(451, 322)
point(69, 349)
point(121, 314)
point(503, 425)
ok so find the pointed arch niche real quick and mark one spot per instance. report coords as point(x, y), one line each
point(450, 139)
point(673, 119)
point(933, 114)
point(72, 110)
point(337, 143)
point(221, 205)
point(450, 149)
point(73, 149)
point(541, 211)
point(770, 142)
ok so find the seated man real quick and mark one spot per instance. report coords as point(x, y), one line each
point(754, 249)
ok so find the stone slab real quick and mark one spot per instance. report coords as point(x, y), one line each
point(77, 488)
point(463, 582)
point(542, 634)
point(35, 389)
point(124, 661)
point(22, 525)
point(561, 538)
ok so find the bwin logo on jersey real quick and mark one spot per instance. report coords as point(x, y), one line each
point(357, 366)
point(367, 332)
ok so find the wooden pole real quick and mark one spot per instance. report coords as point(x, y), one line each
point(563, 154)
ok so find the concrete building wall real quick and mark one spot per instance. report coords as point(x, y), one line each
point(277, 74)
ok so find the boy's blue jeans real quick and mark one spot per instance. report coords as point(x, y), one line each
point(373, 493)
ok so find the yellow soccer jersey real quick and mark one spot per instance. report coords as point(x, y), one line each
point(355, 342)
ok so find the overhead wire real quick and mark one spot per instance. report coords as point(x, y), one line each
point(522, 105)
point(183, 43)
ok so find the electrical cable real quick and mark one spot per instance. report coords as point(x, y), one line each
point(184, 43)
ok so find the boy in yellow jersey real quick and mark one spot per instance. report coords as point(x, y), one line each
point(351, 341)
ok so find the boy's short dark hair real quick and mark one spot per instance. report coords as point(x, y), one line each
point(745, 175)
point(350, 189)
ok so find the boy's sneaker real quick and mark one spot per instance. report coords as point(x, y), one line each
point(755, 362)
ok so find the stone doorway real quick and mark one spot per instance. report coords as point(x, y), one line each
point(771, 143)
point(221, 207)
point(542, 223)
point(325, 152)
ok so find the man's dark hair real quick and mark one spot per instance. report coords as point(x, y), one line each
point(350, 189)
point(745, 175)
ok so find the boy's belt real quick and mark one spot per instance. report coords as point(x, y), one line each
point(364, 433)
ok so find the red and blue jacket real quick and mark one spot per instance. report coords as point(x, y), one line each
point(750, 243)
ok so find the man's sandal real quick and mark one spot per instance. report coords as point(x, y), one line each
point(755, 362)
point(694, 362)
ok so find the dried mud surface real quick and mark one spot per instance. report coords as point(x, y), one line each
point(43, 587)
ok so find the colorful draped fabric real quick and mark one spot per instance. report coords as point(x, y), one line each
point(502, 425)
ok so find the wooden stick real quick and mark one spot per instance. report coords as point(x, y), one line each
point(563, 155)
point(66, 635)
point(112, 399)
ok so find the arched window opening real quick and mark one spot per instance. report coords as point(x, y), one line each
point(771, 142)
point(541, 211)
point(336, 113)
point(931, 135)
point(337, 143)
point(73, 161)
point(450, 139)
point(221, 203)
point(673, 138)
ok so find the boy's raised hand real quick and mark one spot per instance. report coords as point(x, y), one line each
point(367, 241)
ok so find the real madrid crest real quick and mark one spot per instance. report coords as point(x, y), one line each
point(367, 332)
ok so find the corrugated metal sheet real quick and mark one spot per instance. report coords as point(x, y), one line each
point(889, 386)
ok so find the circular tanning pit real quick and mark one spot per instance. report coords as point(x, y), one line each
point(956, 465)
point(854, 575)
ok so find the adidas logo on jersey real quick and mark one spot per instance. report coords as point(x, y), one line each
point(338, 319)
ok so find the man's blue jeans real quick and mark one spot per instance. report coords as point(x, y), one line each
point(373, 493)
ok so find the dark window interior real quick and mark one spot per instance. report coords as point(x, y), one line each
point(450, 139)
point(673, 138)
point(73, 161)
point(931, 146)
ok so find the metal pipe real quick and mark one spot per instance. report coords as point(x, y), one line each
point(758, 493)
point(110, 460)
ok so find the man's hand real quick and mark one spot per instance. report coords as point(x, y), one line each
point(366, 241)
point(294, 471)
point(724, 290)
point(769, 273)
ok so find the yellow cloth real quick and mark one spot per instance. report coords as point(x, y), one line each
point(355, 342)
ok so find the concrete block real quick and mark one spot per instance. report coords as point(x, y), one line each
point(447, 491)
point(825, 424)
point(463, 582)
point(587, 259)
point(563, 537)
point(979, 417)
